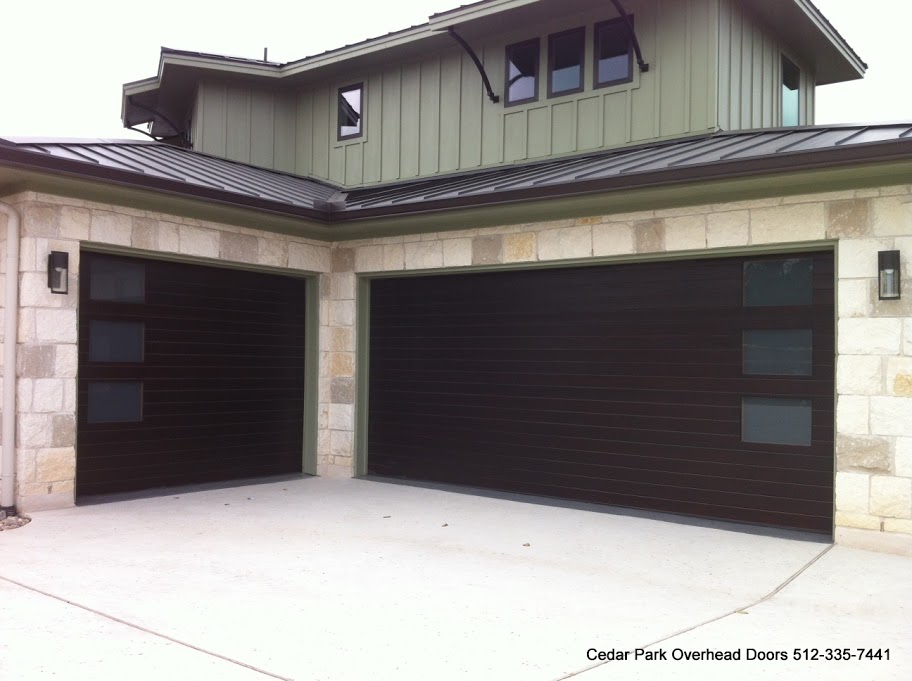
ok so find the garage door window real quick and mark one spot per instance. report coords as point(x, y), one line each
point(118, 281)
point(779, 282)
point(116, 341)
point(782, 352)
point(776, 420)
point(115, 401)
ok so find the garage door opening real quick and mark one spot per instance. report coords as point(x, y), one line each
point(698, 387)
point(188, 374)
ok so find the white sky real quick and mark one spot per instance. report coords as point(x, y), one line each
point(62, 62)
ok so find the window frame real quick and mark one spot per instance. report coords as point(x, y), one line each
point(596, 43)
point(783, 61)
point(537, 74)
point(580, 31)
point(348, 88)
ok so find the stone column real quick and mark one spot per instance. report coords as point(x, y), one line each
point(47, 359)
point(337, 366)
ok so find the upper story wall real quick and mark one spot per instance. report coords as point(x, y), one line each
point(252, 125)
point(432, 116)
point(711, 66)
point(750, 73)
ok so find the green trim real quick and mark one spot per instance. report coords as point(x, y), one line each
point(114, 249)
point(362, 359)
point(362, 347)
point(311, 374)
point(633, 258)
point(311, 338)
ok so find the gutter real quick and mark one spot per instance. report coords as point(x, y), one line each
point(13, 157)
point(10, 343)
point(333, 211)
point(831, 159)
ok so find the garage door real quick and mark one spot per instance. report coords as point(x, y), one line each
point(703, 387)
point(187, 374)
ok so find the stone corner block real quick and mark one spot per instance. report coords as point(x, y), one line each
point(788, 223)
point(869, 453)
point(861, 521)
point(238, 247)
point(343, 259)
point(55, 465)
point(849, 218)
point(487, 250)
point(649, 235)
point(613, 238)
point(869, 540)
point(852, 492)
point(891, 497)
point(50, 501)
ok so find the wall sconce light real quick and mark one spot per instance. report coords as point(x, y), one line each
point(58, 271)
point(889, 276)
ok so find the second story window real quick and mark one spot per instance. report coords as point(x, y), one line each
point(613, 53)
point(565, 62)
point(522, 72)
point(351, 102)
point(791, 81)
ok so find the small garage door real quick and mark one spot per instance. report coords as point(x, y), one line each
point(187, 374)
point(702, 387)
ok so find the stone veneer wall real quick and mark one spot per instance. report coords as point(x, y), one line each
point(874, 366)
point(47, 361)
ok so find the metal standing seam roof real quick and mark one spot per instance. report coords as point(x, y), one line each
point(719, 152)
point(157, 161)
point(156, 166)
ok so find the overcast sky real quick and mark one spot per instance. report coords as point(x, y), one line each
point(62, 62)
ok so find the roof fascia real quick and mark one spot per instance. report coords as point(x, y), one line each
point(826, 28)
point(442, 20)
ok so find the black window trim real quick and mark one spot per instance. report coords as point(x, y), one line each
point(581, 32)
point(347, 88)
point(507, 49)
point(595, 55)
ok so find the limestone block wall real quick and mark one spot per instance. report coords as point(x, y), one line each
point(874, 364)
point(47, 359)
point(874, 367)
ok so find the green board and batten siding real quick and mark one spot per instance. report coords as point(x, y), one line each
point(750, 74)
point(431, 116)
point(250, 125)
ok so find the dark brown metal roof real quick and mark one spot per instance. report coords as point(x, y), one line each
point(706, 158)
point(716, 155)
point(161, 166)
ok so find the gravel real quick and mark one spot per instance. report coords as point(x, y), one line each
point(14, 522)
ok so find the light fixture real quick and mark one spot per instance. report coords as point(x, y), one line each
point(889, 276)
point(58, 271)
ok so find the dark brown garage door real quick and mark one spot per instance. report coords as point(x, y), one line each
point(187, 374)
point(701, 387)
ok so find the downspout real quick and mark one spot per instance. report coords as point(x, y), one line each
point(10, 341)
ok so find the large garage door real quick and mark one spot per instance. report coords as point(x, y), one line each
point(701, 387)
point(187, 374)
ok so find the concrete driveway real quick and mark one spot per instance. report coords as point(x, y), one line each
point(356, 580)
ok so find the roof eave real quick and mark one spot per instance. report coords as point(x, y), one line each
point(841, 157)
point(854, 67)
point(12, 157)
